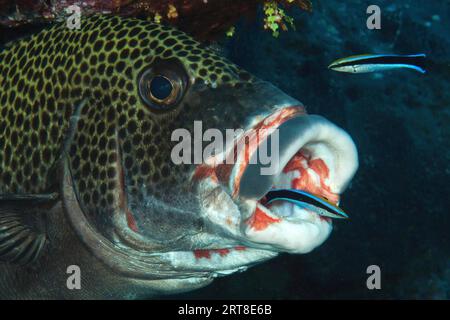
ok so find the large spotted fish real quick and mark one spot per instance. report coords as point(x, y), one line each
point(87, 178)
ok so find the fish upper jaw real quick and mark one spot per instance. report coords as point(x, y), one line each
point(315, 156)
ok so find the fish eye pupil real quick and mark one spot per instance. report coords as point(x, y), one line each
point(160, 87)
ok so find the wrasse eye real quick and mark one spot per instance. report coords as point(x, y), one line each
point(162, 85)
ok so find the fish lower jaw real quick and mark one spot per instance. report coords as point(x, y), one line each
point(219, 262)
point(287, 228)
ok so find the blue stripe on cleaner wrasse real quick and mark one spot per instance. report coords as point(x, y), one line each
point(365, 63)
point(302, 198)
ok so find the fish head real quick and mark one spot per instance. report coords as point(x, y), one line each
point(153, 95)
point(352, 64)
point(346, 68)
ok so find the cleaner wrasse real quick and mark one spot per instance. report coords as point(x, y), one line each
point(302, 198)
point(366, 63)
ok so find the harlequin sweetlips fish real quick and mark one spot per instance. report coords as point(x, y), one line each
point(86, 177)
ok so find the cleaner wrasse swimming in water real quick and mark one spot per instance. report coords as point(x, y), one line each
point(365, 63)
point(302, 198)
point(87, 177)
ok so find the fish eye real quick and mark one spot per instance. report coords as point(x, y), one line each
point(162, 85)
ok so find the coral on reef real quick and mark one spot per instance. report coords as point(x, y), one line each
point(204, 19)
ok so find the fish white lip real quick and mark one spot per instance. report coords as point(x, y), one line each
point(315, 135)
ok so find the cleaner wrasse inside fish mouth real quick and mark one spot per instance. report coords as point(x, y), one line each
point(301, 198)
point(87, 177)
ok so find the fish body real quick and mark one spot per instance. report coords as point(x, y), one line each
point(366, 63)
point(303, 198)
point(87, 177)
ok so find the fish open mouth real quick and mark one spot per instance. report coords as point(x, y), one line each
point(315, 156)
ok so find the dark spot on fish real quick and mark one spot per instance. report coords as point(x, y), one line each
point(104, 84)
point(93, 60)
point(84, 67)
point(112, 158)
point(86, 168)
point(98, 45)
point(101, 57)
point(128, 162)
point(133, 43)
point(43, 136)
point(7, 178)
point(76, 81)
point(93, 36)
point(193, 58)
point(109, 45)
point(182, 53)
point(95, 83)
point(86, 79)
point(122, 133)
point(102, 159)
point(36, 160)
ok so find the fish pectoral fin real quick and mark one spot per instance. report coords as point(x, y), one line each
point(21, 240)
point(39, 197)
point(19, 243)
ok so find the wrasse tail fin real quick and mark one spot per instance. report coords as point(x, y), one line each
point(418, 62)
